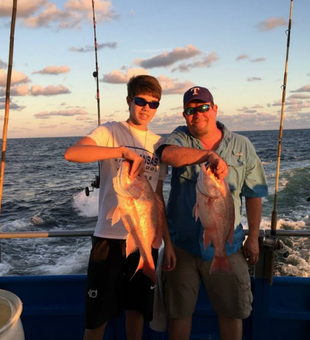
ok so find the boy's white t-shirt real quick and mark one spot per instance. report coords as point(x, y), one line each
point(114, 134)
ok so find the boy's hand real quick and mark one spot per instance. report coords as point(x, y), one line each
point(219, 166)
point(137, 162)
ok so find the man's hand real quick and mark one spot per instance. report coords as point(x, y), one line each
point(218, 165)
point(170, 258)
point(251, 250)
point(137, 162)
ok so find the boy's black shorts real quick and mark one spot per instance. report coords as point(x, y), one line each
point(110, 288)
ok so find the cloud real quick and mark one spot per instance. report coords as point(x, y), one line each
point(63, 113)
point(118, 77)
point(50, 90)
point(42, 13)
point(167, 122)
point(50, 15)
point(169, 58)
point(242, 56)
point(271, 23)
point(22, 90)
point(305, 88)
point(205, 62)
point(257, 60)
point(13, 106)
point(3, 64)
point(103, 9)
point(254, 79)
point(111, 45)
point(173, 86)
point(17, 78)
point(53, 70)
point(250, 121)
point(25, 7)
point(299, 96)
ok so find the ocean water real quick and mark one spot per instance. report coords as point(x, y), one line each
point(43, 192)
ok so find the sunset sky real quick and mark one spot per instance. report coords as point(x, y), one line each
point(236, 49)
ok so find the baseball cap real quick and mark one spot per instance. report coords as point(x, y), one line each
point(197, 93)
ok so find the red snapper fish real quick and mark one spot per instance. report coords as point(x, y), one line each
point(140, 210)
point(215, 209)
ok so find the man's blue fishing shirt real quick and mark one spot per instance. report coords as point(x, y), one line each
point(246, 178)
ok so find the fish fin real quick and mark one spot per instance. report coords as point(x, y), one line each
point(114, 214)
point(159, 232)
point(206, 239)
point(159, 237)
point(131, 246)
point(196, 211)
point(220, 263)
point(148, 269)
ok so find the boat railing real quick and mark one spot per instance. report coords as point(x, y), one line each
point(81, 233)
point(268, 243)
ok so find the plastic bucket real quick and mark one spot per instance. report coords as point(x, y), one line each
point(11, 307)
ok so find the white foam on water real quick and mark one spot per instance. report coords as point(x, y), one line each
point(4, 268)
point(64, 263)
point(17, 225)
point(283, 224)
point(86, 205)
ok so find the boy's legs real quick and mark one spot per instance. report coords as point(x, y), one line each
point(139, 296)
point(95, 334)
point(104, 292)
point(134, 325)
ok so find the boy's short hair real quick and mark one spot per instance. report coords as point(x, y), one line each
point(144, 84)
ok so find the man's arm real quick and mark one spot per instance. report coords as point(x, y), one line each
point(254, 213)
point(170, 258)
point(178, 156)
point(86, 150)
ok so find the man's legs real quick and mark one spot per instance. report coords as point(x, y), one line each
point(180, 329)
point(134, 325)
point(230, 329)
point(95, 334)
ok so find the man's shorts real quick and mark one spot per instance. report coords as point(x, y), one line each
point(111, 286)
point(230, 294)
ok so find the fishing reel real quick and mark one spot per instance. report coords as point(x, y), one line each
point(273, 242)
point(93, 185)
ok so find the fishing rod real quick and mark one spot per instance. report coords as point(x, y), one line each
point(96, 182)
point(273, 241)
point(7, 103)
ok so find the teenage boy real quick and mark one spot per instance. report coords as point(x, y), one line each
point(110, 288)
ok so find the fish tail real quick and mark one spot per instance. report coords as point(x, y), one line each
point(148, 269)
point(220, 262)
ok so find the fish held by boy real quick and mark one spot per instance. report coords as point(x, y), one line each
point(140, 210)
point(215, 209)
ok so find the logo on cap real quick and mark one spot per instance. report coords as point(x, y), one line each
point(195, 91)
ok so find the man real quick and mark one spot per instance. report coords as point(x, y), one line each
point(111, 286)
point(184, 149)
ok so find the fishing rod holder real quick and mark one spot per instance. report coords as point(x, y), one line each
point(93, 185)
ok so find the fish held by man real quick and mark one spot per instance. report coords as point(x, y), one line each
point(215, 209)
point(140, 210)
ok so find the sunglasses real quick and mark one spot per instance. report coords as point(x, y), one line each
point(142, 102)
point(192, 110)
